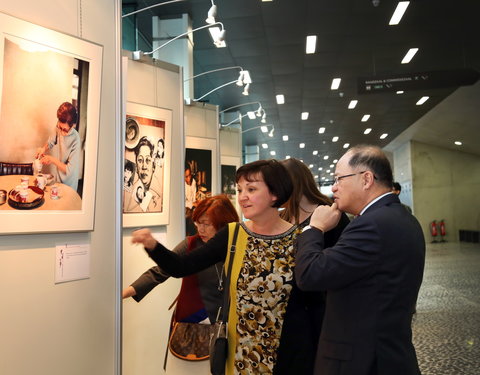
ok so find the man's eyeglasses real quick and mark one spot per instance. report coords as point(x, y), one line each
point(202, 225)
point(339, 178)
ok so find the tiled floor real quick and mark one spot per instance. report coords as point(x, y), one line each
point(446, 328)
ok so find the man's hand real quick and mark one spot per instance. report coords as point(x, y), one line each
point(144, 237)
point(325, 217)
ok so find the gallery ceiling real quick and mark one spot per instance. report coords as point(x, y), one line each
point(355, 43)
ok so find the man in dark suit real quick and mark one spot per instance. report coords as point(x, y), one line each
point(372, 275)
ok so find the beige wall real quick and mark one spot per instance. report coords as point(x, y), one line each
point(445, 186)
point(69, 328)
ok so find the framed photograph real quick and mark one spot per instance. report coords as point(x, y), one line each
point(49, 118)
point(228, 185)
point(146, 185)
point(200, 175)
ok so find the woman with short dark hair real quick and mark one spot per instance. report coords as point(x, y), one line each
point(262, 271)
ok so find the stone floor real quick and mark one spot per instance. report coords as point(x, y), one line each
point(446, 328)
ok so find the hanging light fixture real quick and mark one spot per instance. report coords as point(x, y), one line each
point(212, 13)
point(138, 54)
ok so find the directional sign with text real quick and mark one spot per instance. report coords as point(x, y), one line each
point(418, 81)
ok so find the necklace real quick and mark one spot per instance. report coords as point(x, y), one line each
point(220, 278)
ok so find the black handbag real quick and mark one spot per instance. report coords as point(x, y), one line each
point(219, 340)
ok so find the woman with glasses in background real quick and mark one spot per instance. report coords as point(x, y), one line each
point(200, 294)
point(64, 148)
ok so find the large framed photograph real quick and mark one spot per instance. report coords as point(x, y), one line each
point(146, 185)
point(49, 118)
point(200, 175)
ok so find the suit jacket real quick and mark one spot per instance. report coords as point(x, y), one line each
point(372, 277)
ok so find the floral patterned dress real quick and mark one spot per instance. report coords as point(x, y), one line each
point(263, 290)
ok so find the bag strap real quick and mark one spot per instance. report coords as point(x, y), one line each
point(226, 292)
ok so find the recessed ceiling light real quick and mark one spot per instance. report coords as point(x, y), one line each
point(383, 136)
point(273, 153)
point(328, 171)
point(320, 168)
point(365, 118)
point(334, 139)
point(301, 145)
point(367, 131)
point(285, 138)
point(332, 165)
point(335, 83)
point(311, 44)
point(264, 129)
point(304, 115)
point(251, 115)
point(321, 130)
point(399, 92)
point(409, 55)
point(353, 104)
point(264, 145)
point(287, 157)
point(315, 152)
point(398, 13)
point(458, 143)
point(280, 99)
point(316, 176)
point(334, 161)
point(346, 145)
point(331, 174)
point(325, 157)
point(422, 100)
point(310, 166)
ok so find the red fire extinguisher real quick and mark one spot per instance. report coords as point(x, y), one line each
point(443, 231)
point(433, 230)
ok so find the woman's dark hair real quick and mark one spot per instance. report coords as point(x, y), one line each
point(219, 210)
point(274, 174)
point(160, 140)
point(67, 113)
point(372, 158)
point(304, 185)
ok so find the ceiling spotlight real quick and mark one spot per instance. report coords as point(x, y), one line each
point(334, 139)
point(321, 130)
point(399, 92)
point(301, 145)
point(280, 99)
point(264, 129)
point(264, 118)
point(264, 145)
point(304, 115)
point(287, 157)
point(422, 100)
point(365, 118)
point(271, 132)
point(384, 135)
point(240, 78)
point(259, 111)
point(315, 152)
point(325, 157)
point(367, 131)
point(273, 153)
point(353, 104)
point(335, 83)
point(285, 138)
point(458, 143)
point(245, 89)
point(212, 13)
point(251, 115)
point(218, 35)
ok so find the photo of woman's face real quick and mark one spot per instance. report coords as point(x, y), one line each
point(145, 165)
